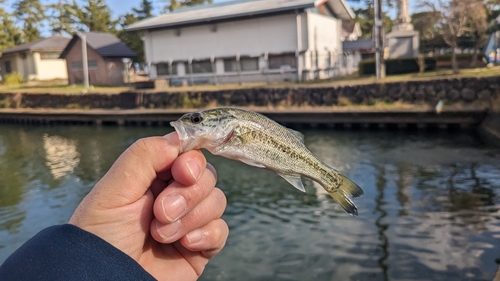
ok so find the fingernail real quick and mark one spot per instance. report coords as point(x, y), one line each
point(169, 230)
point(194, 167)
point(195, 236)
point(212, 169)
point(173, 207)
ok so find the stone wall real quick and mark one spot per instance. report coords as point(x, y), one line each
point(454, 90)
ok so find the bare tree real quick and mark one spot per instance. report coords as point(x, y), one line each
point(452, 17)
point(478, 25)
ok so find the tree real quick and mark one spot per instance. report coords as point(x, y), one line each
point(145, 11)
point(132, 39)
point(452, 17)
point(61, 18)
point(31, 14)
point(174, 4)
point(94, 16)
point(365, 17)
point(10, 35)
point(478, 27)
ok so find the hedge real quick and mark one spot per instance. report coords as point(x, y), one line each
point(396, 66)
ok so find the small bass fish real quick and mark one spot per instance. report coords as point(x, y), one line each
point(261, 142)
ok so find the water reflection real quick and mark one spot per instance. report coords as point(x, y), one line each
point(430, 209)
point(61, 155)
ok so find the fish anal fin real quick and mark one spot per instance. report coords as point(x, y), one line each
point(252, 163)
point(344, 202)
point(296, 181)
point(297, 134)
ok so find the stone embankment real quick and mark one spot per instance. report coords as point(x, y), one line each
point(466, 90)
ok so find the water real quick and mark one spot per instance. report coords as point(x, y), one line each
point(431, 209)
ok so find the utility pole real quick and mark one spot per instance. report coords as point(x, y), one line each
point(85, 65)
point(379, 40)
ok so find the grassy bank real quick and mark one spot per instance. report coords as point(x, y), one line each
point(59, 88)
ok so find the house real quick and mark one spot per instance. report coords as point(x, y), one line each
point(350, 31)
point(38, 60)
point(105, 54)
point(246, 41)
point(359, 49)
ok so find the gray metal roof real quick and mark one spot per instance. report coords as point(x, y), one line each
point(53, 43)
point(360, 44)
point(235, 9)
point(105, 44)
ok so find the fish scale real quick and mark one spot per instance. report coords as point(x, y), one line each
point(258, 141)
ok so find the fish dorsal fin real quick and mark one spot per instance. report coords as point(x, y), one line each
point(297, 134)
point(296, 181)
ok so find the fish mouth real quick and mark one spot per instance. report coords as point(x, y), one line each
point(187, 142)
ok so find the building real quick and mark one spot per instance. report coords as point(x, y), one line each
point(350, 31)
point(359, 50)
point(246, 41)
point(105, 54)
point(38, 60)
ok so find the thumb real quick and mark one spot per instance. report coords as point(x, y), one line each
point(134, 171)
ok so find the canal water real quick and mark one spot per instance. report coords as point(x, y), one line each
point(431, 209)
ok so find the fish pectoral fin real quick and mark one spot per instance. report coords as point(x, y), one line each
point(296, 181)
point(252, 163)
point(297, 134)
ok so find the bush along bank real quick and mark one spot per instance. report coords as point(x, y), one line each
point(465, 90)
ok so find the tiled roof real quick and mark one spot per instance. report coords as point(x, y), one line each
point(105, 44)
point(53, 43)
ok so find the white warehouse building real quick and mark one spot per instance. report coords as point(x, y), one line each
point(247, 41)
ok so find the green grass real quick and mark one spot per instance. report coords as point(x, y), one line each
point(58, 88)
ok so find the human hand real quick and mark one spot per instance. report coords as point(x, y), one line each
point(159, 208)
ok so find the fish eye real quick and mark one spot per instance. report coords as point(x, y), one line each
point(196, 118)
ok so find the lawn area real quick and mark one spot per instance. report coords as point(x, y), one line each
point(355, 79)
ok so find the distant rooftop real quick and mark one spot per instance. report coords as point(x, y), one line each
point(53, 43)
point(203, 14)
point(360, 44)
point(105, 44)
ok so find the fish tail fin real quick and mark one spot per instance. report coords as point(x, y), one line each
point(349, 187)
point(341, 194)
point(344, 202)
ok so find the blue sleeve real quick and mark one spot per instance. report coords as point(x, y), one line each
point(66, 252)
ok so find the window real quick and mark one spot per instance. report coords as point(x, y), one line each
point(277, 61)
point(249, 64)
point(49, 56)
point(246, 64)
point(202, 66)
point(166, 69)
point(8, 67)
point(230, 65)
point(77, 65)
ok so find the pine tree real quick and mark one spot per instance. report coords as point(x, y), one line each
point(31, 14)
point(145, 10)
point(61, 18)
point(132, 39)
point(174, 4)
point(95, 16)
point(10, 35)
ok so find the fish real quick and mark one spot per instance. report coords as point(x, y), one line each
point(259, 141)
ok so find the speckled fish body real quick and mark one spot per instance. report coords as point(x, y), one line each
point(261, 142)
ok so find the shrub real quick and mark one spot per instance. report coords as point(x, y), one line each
point(396, 66)
point(14, 78)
